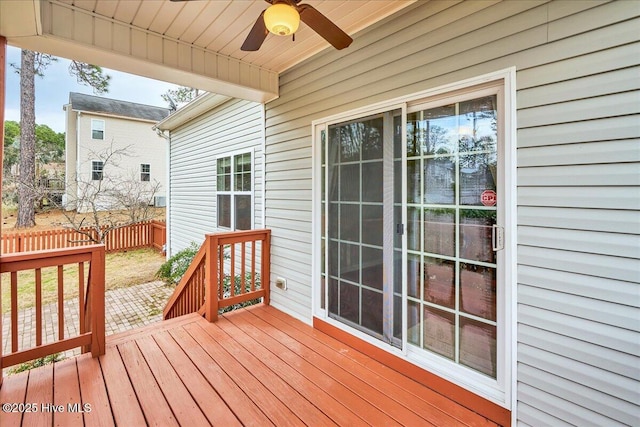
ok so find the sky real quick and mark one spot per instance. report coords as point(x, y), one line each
point(52, 90)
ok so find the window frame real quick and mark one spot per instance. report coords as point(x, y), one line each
point(96, 129)
point(232, 192)
point(143, 173)
point(95, 171)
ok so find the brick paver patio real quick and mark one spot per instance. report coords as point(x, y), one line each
point(125, 308)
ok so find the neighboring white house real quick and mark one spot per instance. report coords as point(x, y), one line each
point(459, 188)
point(216, 173)
point(96, 126)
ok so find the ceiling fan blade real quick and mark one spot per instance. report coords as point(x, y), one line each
point(256, 36)
point(323, 26)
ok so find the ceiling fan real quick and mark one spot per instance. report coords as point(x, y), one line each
point(283, 17)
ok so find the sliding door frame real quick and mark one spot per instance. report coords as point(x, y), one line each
point(500, 390)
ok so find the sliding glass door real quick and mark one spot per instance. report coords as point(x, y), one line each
point(412, 228)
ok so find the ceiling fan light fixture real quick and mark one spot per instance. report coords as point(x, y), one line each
point(281, 19)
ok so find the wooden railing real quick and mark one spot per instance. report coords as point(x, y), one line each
point(230, 268)
point(87, 265)
point(134, 236)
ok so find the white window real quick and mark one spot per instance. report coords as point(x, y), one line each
point(97, 129)
point(234, 191)
point(97, 170)
point(145, 172)
point(411, 204)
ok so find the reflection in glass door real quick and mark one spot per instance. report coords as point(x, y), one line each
point(451, 160)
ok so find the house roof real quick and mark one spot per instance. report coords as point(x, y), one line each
point(193, 109)
point(98, 104)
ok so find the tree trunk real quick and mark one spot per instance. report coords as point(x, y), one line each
point(27, 177)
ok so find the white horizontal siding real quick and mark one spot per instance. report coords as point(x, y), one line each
point(234, 126)
point(578, 162)
point(597, 152)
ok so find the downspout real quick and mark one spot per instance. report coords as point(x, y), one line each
point(77, 177)
point(167, 208)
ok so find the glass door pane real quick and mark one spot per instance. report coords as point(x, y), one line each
point(451, 158)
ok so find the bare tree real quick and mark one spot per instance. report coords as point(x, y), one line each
point(109, 197)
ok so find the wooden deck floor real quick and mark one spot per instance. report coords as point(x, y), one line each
point(255, 367)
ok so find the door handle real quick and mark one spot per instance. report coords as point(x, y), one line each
point(497, 237)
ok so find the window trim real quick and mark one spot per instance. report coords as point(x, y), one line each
point(95, 121)
point(501, 392)
point(232, 192)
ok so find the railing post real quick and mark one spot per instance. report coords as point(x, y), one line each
point(265, 268)
point(211, 278)
point(97, 320)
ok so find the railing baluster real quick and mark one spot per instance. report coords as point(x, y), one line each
point(253, 265)
point(243, 268)
point(82, 324)
point(14, 311)
point(232, 274)
point(219, 278)
point(60, 303)
point(38, 307)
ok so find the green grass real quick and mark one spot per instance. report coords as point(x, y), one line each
point(122, 269)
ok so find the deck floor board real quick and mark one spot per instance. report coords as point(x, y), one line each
point(254, 367)
point(204, 395)
point(358, 381)
point(66, 394)
point(427, 403)
point(94, 391)
point(221, 371)
point(334, 379)
point(242, 366)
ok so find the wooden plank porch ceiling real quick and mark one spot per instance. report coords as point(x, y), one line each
point(255, 366)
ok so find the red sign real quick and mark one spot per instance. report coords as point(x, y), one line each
point(489, 198)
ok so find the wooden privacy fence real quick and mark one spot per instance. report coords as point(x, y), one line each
point(25, 272)
point(230, 268)
point(140, 235)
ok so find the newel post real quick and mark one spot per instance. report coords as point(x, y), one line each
point(97, 320)
point(211, 278)
point(266, 267)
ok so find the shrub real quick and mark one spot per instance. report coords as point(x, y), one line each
point(175, 267)
point(36, 363)
point(226, 283)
